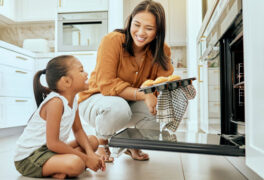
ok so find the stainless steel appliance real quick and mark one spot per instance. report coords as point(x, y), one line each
point(81, 31)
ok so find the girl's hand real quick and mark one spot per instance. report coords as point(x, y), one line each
point(151, 102)
point(94, 163)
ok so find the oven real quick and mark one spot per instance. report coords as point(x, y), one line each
point(81, 31)
point(224, 41)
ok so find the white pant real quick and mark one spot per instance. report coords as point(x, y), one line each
point(109, 114)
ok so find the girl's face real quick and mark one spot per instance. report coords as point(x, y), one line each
point(143, 29)
point(79, 77)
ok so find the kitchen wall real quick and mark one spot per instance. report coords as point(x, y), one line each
point(15, 34)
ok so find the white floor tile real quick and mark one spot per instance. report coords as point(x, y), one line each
point(208, 167)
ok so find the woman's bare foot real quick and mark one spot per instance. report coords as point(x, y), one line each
point(59, 176)
point(137, 154)
point(104, 151)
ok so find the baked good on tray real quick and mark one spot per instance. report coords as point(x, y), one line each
point(160, 80)
point(147, 83)
point(174, 77)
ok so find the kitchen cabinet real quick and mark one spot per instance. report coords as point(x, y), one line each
point(16, 87)
point(175, 12)
point(7, 10)
point(65, 6)
point(36, 10)
point(12, 11)
point(203, 95)
point(214, 93)
point(254, 96)
point(176, 23)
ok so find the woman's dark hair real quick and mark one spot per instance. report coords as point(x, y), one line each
point(56, 68)
point(157, 45)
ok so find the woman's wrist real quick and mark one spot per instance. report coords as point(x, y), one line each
point(140, 96)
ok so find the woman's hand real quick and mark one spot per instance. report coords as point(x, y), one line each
point(94, 162)
point(151, 102)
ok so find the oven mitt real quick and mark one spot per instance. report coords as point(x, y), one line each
point(180, 103)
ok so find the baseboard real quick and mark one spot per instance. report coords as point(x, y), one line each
point(240, 165)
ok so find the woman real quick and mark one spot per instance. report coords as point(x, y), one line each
point(125, 59)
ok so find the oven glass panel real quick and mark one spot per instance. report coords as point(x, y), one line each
point(87, 34)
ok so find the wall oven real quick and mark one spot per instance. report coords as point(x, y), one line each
point(226, 37)
point(81, 31)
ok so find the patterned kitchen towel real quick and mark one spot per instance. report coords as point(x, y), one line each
point(189, 91)
point(164, 108)
point(180, 103)
point(172, 105)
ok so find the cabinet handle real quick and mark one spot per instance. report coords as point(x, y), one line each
point(21, 100)
point(1, 2)
point(21, 72)
point(199, 73)
point(184, 72)
point(216, 88)
point(59, 3)
point(216, 104)
point(22, 58)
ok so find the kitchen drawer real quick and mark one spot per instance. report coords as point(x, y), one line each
point(15, 82)
point(214, 109)
point(214, 76)
point(15, 111)
point(213, 93)
point(14, 59)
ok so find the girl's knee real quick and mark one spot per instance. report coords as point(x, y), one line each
point(74, 166)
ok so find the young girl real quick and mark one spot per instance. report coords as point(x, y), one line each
point(42, 149)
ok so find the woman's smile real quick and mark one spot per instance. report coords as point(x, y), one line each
point(143, 29)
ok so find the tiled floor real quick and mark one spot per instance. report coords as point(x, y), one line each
point(162, 165)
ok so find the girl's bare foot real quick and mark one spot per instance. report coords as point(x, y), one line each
point(104, 151)
point(59, 176)
point(137, 154)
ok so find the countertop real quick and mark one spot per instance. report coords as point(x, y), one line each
point(35, 55)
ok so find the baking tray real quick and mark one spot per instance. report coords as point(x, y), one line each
point(170, 85)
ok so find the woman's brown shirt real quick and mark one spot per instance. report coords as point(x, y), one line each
point(116, 69)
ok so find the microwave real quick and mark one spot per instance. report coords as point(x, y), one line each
point(81, 31)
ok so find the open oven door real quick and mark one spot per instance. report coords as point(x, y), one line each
point(227, 145)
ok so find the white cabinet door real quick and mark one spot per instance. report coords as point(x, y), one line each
point(36, 10)
point(203, 96)
point(176, 23)
point(15, 111)
point(254, 96)
point(7, 9)
point(82, 5)
point(15, 82)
